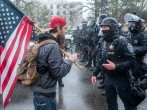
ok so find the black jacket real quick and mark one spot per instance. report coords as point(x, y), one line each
point(121, 52)
point(51, 66)
point(139, 43)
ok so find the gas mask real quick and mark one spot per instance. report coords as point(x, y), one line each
point(133, 28)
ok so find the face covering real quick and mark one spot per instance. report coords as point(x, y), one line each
point(108, 35)
point(133, 29)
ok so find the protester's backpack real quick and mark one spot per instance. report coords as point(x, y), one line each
point(27, 70)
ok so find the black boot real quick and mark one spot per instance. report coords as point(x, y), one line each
point(61, 83)
point(88, 65)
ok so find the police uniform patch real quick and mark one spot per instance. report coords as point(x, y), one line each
point(111, 47)
point(130, 48)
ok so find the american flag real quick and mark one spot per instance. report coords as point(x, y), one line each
point(15, 33)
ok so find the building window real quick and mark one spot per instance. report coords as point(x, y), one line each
point(51, 13)
point(72, 6)
point(57, 12)
point(64, 6)
point(45, 7)
point(51, 6)
point(64, 12)
point(58, 6)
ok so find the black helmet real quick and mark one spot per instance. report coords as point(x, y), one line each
point(111, 22)
point(91, 23)
point(100, 18)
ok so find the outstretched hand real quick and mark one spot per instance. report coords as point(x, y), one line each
point(109, 66)
point(93, 80)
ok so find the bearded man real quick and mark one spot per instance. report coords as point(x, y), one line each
point(51, 66)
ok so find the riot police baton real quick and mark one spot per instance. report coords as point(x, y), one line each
point(60, 48)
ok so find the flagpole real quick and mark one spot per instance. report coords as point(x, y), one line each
point(68, 57)
point(60, 48)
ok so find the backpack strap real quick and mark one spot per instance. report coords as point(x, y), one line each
point(35, 48)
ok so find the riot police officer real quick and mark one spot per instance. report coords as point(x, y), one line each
point(138, 39)
point(117, 59)
point(99, 43)
point(90, 41)
point(83, 41)
point(76, 37)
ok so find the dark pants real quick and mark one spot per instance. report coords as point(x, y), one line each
point(111, 97)
point(44, 103)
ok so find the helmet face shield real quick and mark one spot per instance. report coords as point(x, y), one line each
point(132, 18)
point(91, 23)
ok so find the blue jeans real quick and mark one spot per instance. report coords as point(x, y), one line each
point(44, 103)
point(111, 97)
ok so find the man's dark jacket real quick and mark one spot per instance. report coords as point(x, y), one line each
point(121, 52)
point(51, 66)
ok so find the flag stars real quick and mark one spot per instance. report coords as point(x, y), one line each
point(9, 18)
point(2, 5)
point(2, 42)
point(17, 17)
point(10, 27)
point(13, 18)
point(10, 22)
point(12, 13)
point(14, 22)
point(7, 31)
point(3, 10)
point(8, 14)
point(7, 9)
point(5, 36)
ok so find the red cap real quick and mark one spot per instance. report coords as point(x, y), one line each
point(56, 22)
